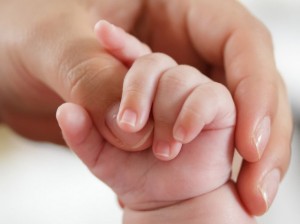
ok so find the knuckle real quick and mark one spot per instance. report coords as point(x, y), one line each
point(156, 59)
point(80, 80)
point(250, 83)
point(216, 92)
point(79, 75)
point(136, 89)
point(211, 89)
point(88, 79)
point(180, 76)
point(192, 111)
point(260, 31)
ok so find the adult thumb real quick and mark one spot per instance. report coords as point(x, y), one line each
point(96, 84)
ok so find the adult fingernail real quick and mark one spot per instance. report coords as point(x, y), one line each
point(105, 23)
point(261, 135)
point(269, 187)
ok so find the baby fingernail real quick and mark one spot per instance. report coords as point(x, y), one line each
point(269, 187)
point(129, 117)
point(167, 150)
point(180, 134)
point(163, 150)
point(261, 135)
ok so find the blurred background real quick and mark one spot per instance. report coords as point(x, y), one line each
point(44, 183)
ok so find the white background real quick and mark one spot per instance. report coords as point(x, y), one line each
point(43, 183)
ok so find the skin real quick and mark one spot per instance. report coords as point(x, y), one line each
point(152, 190)
point(187, 188)
point(148, 186)
point(50, 54)
point(199, 210)
point(149, 86)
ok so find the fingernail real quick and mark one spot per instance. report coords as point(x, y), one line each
point(163, 150)
point(145, 138)
point(261, 135)
point(269, 187)
point(167, 150)
point(106, 23)
point(111, 117)
point(111, 26)
point(180, 134)
point(122, 138)
point(129, 117)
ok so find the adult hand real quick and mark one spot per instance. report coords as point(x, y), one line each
point(225, 42)
point(228, 44)
point(49, 54)
point(184, 190)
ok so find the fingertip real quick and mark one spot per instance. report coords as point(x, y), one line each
point(258, 191)
point(166, 151)
point(109, 35)
point(98, 26)
point(127, 139)
point(249, 193)
point(268, 187)
point(119, 43)
point(179, 134)
point(127, 121)
point(258, 182)
point(132, 120)
point(73, 122)
point(79, 133)
point(186, 133)
point(102, 26)
point(100, 29)
point(123, 119)
point(255, 116)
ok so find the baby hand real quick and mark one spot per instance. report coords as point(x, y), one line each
point(190, 112)
point(182, 100)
